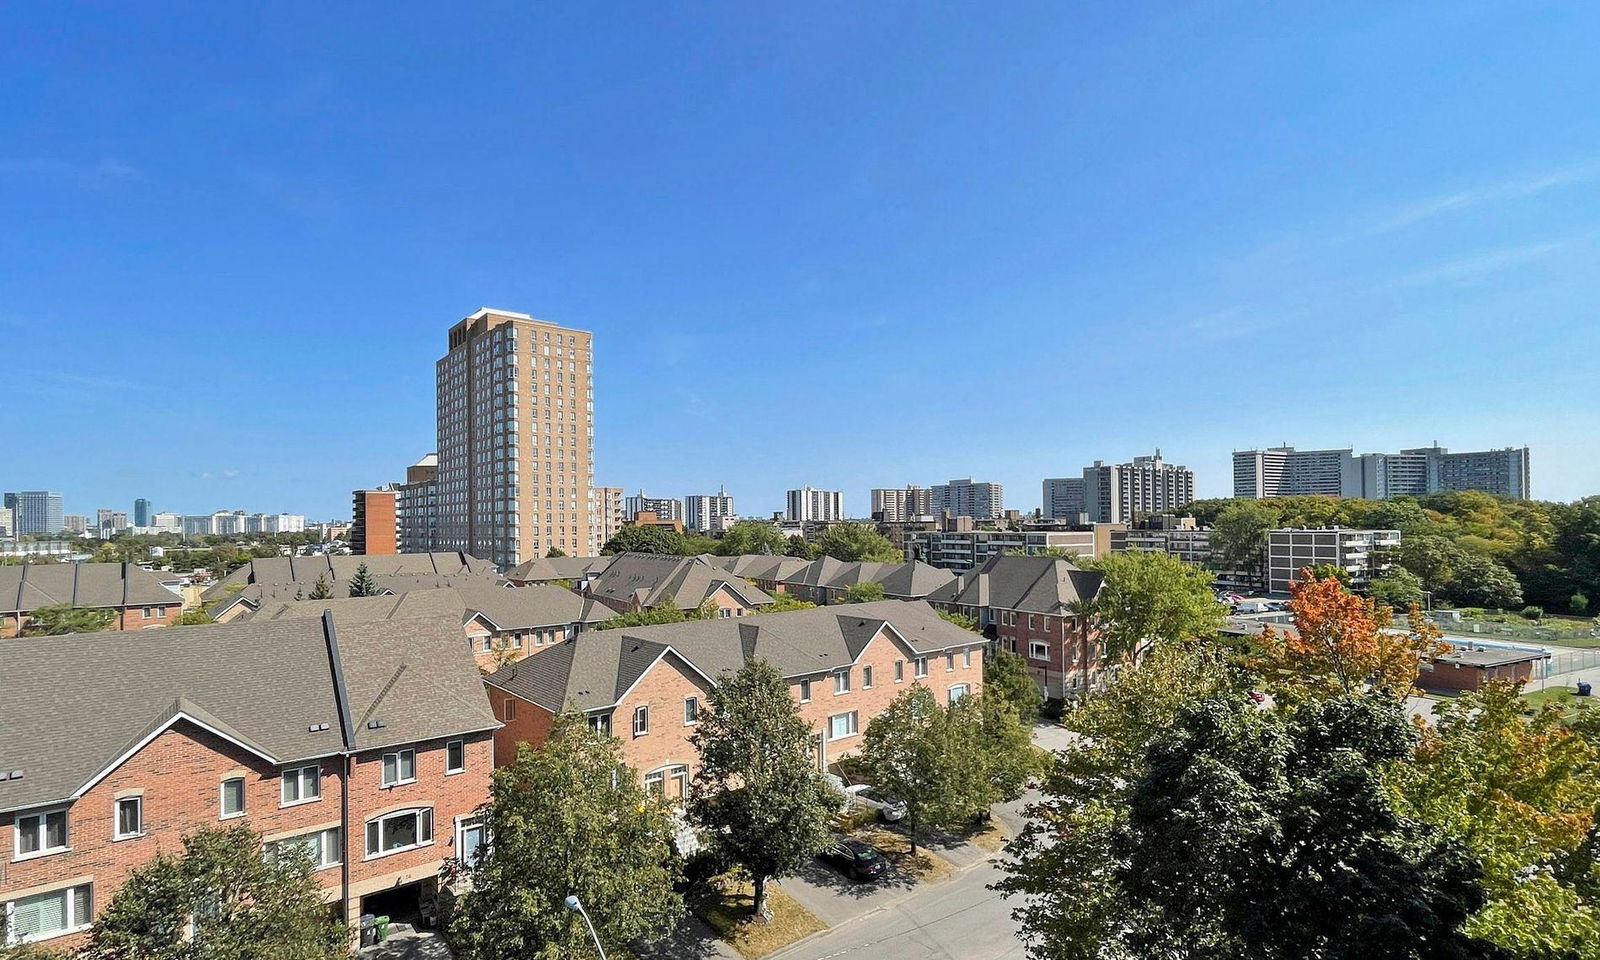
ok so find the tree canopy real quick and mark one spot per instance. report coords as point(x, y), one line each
point(665, 612)
point(856, 541)
point(751, 537)
point(59, 619)
point(864, 592)
point(645, 539)
point(1151, 598)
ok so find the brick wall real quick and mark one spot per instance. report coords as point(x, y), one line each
point(131, 618)
point(524, 722)
point(1454, 676)
point(1071, 655)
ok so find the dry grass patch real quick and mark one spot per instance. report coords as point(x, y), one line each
point(988, 837)
point(925, 867)
point(725, 902)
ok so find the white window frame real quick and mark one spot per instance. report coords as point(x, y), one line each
point(691, 711)
point(463, 824)
point(964, 689)
point(841, 681)
point(919, 667)
point(460, 745)
point(641, 720)
point(222, 798)
point(42, 817)
point(116, 818)
point(854, 718)
point(75, 923)
point(805, 691)
point(966, 659)
point(296, 775)
point(324, 845)
point(1034, 648)
point(383, 773)
point(866, 676)
point(949, 661)
point(899, 671)
point(600, 723)
point(424, 816)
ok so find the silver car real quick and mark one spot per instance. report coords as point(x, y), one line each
point(890, 808)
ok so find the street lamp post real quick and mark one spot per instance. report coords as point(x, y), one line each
point(576, 906)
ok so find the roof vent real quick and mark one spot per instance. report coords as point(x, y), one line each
point(317, 728)
point(13, 775)
point(374, 724)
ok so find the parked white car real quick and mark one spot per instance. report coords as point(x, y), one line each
point(888, 807)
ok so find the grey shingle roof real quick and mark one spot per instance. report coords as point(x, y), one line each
point(506, 607)
point(29, 586)
point(650, 580)
point(592, 671)
point(72, 705)
point(276, 571)
point(557, 568)
point(1029, 584)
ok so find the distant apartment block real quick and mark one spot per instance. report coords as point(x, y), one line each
point(969, 498)
point(606, 516)
point(167, 523)
point(964, 549)
point(515, 437)
point(275, 523)
point(665, 508)
point(893, 505)
point(143, 511)
point(1120, 493)
point(1364, 554)
point(35, 511)
point(75, 523)
point(416, 506)
point(1063, 498)
point(108, 522)
point(809, 504)
point(373, 527)
point(708, 513)
point(7, 524)
point(1287, 472)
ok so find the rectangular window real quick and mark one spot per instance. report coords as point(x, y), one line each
point(641, 721)
point(46, 915)
point(601, 723)
point(957, 691)
point(842, 725)
point(1039, 651)
point(921, 664)
point(323, 848)
point(130, 818)
point(399, 767)
point(510, 710)
point(399, 831)
point(41, 833)
point(232, 797)
point(145, 613)
point(455, 756)
point(691, 710)
point(656, 782)
point(470, 836)
point(899, 671)
point(950, 662)
point(805, 691)
point(841, 681)
point(300, 785)
point(866, 677)
point(966, 659)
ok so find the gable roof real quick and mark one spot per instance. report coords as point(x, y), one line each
point(592, 671)
point(650, 580)
point(29, 586)
point(543, 569)
point(73, 706)
point(268, 572)
point(504, 607)
point(1029, 584)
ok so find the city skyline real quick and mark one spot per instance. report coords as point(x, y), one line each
point(1105, 189)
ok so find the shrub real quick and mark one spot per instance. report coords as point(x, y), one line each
point(1533, 612)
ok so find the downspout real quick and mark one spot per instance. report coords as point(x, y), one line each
point(346, 756)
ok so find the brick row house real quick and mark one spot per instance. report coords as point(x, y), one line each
point(272, 580)
point(825, 580)
point(574, 572)
point(1032, 607)
point(368, 743)
point(645, 581)
point(135, 596)
point(647, 685)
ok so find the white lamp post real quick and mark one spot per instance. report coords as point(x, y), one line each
point(576, 906)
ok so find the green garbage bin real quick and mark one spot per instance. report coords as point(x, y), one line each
point(383, 929)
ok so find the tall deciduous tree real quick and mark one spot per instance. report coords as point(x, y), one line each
point(752, 537)
point(1400, 589)
point(555, 551)
point(1006, 679)
point(856, 541)
point(932, 757)
point(645, 539)
point(1239, 534)
point(758, 794)
point(665, 612)
point(220, 899)
point(362, 584)
point(569, 818)
point(865, 592)
point(59, 619)
point(783, 603)
point(1148, 599)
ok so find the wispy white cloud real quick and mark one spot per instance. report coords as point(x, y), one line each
point(93, 176)
point(1470, 268)
point(1509, 189)
point(219, 474)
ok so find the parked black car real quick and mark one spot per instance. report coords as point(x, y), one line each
point(855, 859)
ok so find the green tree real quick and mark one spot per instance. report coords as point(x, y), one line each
point(322, 590)
point(666, 612)
point(192, 618)
point(856, 541)
point(785, 602)
point(362, 584)
point(960, 620)
point(555, 551)
point(1323, 571)
point(799, 547)
point(931, 757)
point(752, 537)
point(697, 544)
point(645, 539)
point(866, 591)
point(59, 619)
point(1148, 599)
point(568, 818)
point(758, 794)
point(1400, 589)
point(220, 899)
point(1239, 535)
point(1006, 679)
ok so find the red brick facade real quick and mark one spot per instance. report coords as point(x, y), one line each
point(178, 777)
point(138, 617)
point(1061, 651)
point(1452, 676)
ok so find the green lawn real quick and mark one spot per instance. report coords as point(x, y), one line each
point(1565, 631)
point(1566, 696)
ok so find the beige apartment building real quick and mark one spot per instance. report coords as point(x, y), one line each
point(516, 438)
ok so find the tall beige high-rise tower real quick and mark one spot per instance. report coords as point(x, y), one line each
point(516, 438)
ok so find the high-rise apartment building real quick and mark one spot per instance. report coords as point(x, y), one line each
point(709, 512)
point(7, 524)
point(108, 522)
point(373, 527)
point(1287, 472)
point(74, 523)
point(417, 506)
point(1063, 498)
point(606, 516)
point(167, 522)
point(1119, 493)
point(665, 508)
point(143, 512)
point(969, 498)
point(811, 504)
point(35, 511)
point(891, 505)
point(516, 438)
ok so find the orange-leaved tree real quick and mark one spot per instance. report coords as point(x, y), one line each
point(1342, 643)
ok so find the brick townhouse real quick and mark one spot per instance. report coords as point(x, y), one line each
point(644, 581)
point(646, 685)
point(135, 596)
point(271, 580)
point(1031, 606)
point(574, 572)
point(368, 743)
point(501, 623)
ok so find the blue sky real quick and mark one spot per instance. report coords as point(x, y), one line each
point(849, 245)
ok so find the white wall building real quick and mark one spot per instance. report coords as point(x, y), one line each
point(811, 504)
